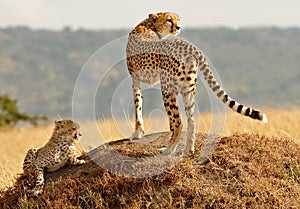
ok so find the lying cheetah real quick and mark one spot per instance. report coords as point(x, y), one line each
point(151, 57)
point(59, 151)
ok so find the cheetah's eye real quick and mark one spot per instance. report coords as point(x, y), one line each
point(74, 129)
point(169, 20)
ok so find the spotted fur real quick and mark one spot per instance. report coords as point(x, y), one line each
point(151, 57)
point(59, 151)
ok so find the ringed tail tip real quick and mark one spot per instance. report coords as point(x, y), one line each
point(264, 118)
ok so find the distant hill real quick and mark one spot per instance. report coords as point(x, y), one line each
point(257, 66)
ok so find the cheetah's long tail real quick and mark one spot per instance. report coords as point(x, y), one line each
point(227, 100)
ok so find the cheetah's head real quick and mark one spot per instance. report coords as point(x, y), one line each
point(165, 23)
point(68, 127)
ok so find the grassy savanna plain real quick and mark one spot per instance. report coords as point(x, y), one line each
point(16, 141)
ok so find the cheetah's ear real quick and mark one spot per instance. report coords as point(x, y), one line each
point(153, 16)
point(57, 122)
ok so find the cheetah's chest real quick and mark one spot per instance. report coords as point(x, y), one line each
point(60, 159)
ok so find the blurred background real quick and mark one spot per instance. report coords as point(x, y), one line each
point(253, 45)
point(52, 50)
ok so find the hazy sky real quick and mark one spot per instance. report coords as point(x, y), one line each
point(97, 14)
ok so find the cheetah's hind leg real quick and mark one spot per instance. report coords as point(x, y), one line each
point(171, 106)
point(39, 182)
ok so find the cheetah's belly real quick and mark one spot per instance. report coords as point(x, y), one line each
point(149, 76)
point(56, 166)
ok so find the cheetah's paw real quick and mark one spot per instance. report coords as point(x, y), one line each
point(137, 135)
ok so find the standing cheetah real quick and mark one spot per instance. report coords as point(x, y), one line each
point(151, 57)
point(59, 151)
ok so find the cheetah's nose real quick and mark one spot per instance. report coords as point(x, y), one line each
point(178, 27)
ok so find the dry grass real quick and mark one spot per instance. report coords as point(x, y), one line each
point(14, 145)
point(245, 171)
point(16, 142)
point(283, 125)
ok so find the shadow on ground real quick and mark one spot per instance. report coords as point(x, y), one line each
point(245, 171)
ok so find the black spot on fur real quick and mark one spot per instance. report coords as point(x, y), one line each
point(220, 93)
point(231, 104)
point(216, 88)
point(225, 98)
point(247, 113)
point(176, 115)
point(255, 115)
point(239, 109)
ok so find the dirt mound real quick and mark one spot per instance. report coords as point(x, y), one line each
point(245, 171)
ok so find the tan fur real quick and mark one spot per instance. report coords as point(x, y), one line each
point(59, 151)
point(151, 57)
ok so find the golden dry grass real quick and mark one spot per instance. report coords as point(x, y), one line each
point(15, 142)
point(282, 123)
point(245, 171)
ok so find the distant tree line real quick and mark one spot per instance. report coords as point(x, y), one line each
point(10, 114)
point(257, 66)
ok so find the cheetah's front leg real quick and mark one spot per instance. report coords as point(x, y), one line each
point(72, 157)
point(138, 102)
point(188, 98)
point(75, 161)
